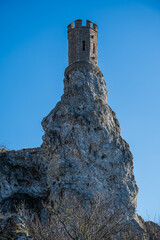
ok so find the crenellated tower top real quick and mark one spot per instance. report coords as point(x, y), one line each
point(82, 42)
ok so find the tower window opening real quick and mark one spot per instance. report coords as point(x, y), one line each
point(94, 47)
point(83, 45)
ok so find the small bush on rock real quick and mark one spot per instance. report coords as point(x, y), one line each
point(75, 219)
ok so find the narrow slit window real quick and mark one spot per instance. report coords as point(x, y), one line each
point(94, 47)
point(83, 45)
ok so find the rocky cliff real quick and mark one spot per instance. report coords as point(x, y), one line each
point(82, 153)
point(83, 135)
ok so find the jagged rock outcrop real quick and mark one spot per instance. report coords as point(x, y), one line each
point(83, 134)
point(23, 176)
point(153, 229)
point(82, 152)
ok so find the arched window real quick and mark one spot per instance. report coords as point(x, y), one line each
point(94, 47)
point(83, 45)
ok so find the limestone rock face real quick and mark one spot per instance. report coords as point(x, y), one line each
point(22, 176)
point(82, 152)
point(88, 154)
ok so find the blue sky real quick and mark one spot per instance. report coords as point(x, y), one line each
point(33, 56)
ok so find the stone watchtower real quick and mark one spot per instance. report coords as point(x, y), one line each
point(82, 42)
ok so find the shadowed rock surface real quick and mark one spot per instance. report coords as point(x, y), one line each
point(153, 229)
point(82, 153)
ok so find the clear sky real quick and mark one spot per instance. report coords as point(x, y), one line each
point(33, 56)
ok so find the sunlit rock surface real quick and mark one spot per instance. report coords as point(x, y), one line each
point(82, 153)
point(83, 134)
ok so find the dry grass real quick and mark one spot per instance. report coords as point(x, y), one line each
point(72, 219)
point(3, 148)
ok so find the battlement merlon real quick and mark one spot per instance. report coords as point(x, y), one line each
point(78, 24)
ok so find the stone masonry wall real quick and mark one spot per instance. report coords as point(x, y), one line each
point(80, 36)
